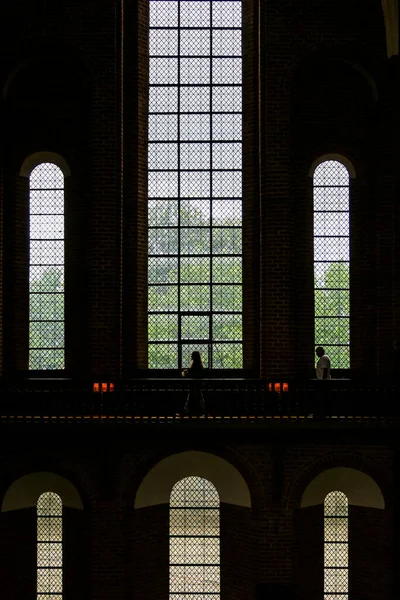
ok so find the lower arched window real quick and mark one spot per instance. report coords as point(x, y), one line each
point(336, 547)
point(49, 547)
point(194, 540)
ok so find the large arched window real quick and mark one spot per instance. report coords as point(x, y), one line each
point(194, 540)
point(336, 546)
point(46, 267)
point(332, 261)
point(195, 183)
point(49, 547)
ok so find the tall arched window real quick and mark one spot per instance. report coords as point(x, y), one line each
point(336, 547)
point(332, 261)
point(195, 183)
point(46, 267)
point(194, 540)
point(49, 547)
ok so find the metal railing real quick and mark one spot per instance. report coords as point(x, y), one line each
point(226, 400)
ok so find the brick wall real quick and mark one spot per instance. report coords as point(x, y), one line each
point(370, 541)
point(308, 550)
point(148, 553)
point(239, 547)
point(135, 185)
point(315, 82)
point(114, 550)
point(18, 553)
point(77, 563)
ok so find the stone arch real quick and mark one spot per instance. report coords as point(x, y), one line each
point(360, 489)
point(33, 160)
point(332, 156)
point(156, 486)
point(332, 459)
point(25, 491)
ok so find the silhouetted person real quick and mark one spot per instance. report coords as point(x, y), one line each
point(323, 368)
point(195, 404)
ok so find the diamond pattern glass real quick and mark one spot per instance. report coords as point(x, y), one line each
point(195, 182)
point(49, 547)
point(194, 540)
point(46, 268)
point(336, 546)
point(332, 261)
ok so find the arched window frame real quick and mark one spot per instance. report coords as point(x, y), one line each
point(331, 216)
point(194, 561)
point(46, 227)
point(215, 325)
point(336, 546)
point(49, 547)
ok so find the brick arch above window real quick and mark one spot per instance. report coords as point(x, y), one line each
point(157, 484)
point(333, 156)
point(33, 160)
point(25, 491)
point(360, 488)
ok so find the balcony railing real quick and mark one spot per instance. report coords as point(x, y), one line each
point(227, 401)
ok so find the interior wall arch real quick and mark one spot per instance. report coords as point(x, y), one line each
point(33, 160)
point(360, 489)
point(157, 484)
point(25, 491)
point(333, 156)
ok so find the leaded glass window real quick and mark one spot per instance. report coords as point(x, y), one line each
point(49, 547)
point(195, 183)
point(194, 541)
point(332, 261)
point(46, 267)
point(336, 547)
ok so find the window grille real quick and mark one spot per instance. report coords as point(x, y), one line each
point(336, 547)
point(49, 547)
point(195, 183)
point(194, 541)
point(46, 267)
point(332, 261)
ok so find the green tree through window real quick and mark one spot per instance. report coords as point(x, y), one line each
point(332, 261)
point(195, 183)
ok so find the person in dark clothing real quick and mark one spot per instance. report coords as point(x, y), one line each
point(195, 405)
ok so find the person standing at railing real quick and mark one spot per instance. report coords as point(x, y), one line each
point(195, 405)
point(323, 368)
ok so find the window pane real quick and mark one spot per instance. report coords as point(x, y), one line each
point(195, 179)
point(195, 327)
point(332, 261)
point(195, 298)
point(46, 268)
point(194, 539)
point(227, 327)
point(165, 356)
point(194, 550)
point(49, 547)
point(163, 298)
point(336, 547)
point(163, 327)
